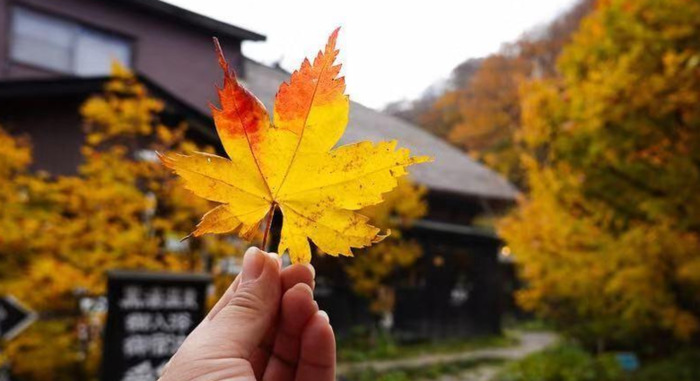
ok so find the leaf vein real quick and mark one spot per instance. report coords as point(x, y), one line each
point(356, 178)
point(223, 182)
point(306, 120)
point(339, 232)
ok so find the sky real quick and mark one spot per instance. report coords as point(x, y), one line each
point(390, 50)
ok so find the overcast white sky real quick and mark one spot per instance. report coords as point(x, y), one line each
point(390, 49)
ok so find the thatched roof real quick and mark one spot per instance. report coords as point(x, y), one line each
point(452, 171)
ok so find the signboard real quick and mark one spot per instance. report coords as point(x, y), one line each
point(628, 361)
point(5, 372)
point(148, 317)
point(14, 317)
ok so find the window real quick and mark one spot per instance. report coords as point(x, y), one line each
point(61, 45)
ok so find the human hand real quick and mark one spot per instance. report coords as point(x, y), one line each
point(266, 326)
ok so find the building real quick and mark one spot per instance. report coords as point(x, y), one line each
point(53, 54)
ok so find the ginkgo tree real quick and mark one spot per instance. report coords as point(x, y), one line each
point(61, 234)
point(480, 111)
point(122, 210)
point(609, 237)
point(291, 164)
point(371, 271)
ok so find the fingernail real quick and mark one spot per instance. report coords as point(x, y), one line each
point(312, 269)
point(306, 288)
point(324, 315)
point(276, 258)
point(253, 264)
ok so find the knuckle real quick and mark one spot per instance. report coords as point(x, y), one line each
point(246, 301)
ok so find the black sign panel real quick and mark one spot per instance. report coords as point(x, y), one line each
point(149, 315)
point(13, 317)
point(5, 372)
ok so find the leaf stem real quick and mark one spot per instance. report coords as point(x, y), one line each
point(270, 216)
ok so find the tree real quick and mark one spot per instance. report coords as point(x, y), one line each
point(122, 210)
point(613, 160)
point(489, 114)
point(489, 126)
point(436, 109)
point(371, 271)
point(479, 107)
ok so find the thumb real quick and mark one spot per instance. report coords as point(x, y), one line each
point(252, 308)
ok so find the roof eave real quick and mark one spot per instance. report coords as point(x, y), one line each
point(52, 87)
point(501, 196)
point(219, 28)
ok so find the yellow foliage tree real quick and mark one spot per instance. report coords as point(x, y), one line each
point(609, 237)
point(122, 210)
point(483, 114)
point(490, 114)
point(371, 269)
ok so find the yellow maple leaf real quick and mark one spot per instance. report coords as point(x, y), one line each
point(291, 164)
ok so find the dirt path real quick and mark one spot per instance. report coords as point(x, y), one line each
point(482, 373)
point(529, 342)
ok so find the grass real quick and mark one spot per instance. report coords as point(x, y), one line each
point(530, 325)
point(430, 372)
point(564, 362)
point(568, 361)
point(382, 347)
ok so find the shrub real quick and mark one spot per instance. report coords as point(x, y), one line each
point(562, 363)
point(684, 366)
point(425, 372)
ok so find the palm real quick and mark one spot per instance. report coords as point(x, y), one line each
point(239, 340)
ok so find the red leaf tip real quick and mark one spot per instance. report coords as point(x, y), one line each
point(330, 46)
point(222, 59)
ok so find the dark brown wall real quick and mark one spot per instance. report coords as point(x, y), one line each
point(53, 126)
point(4, 25)
point(176, 56)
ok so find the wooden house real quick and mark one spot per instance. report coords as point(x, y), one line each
point(53, 54)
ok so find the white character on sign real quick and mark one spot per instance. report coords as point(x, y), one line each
point(173, 298)
point(180, 321)
point(137, 322)
point(155, 298)
point(161, 368)
point(132, 298)
point(160, 323)
point(190, 298)
point(142, 372)
point(136, 346)
point(179, 339)
point(162, 345)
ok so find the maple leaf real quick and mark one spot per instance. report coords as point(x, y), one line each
point(291, 164)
